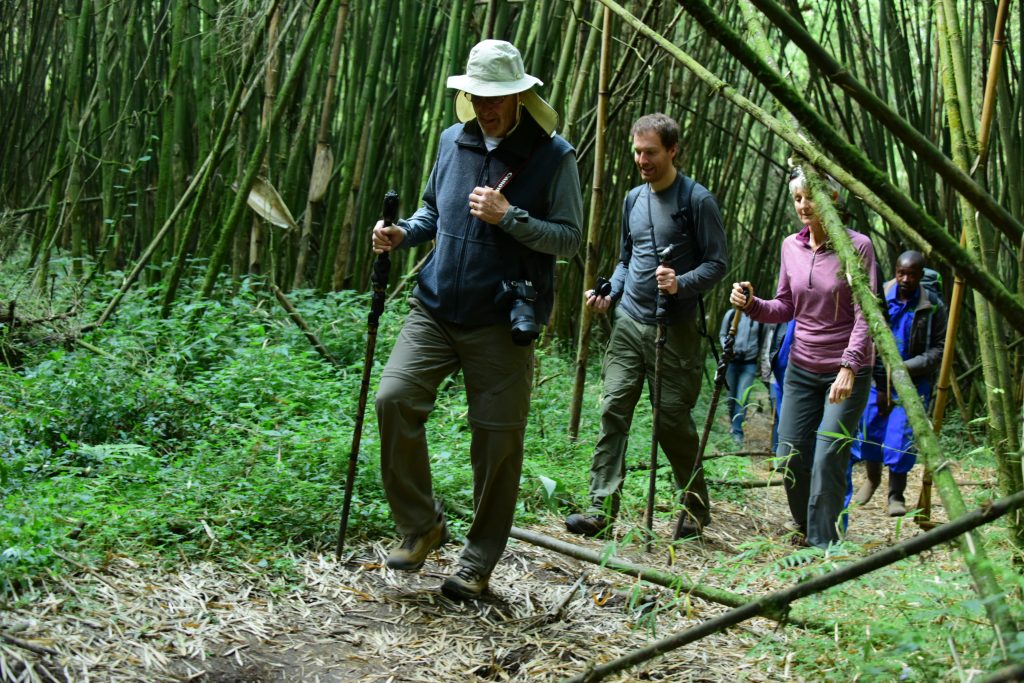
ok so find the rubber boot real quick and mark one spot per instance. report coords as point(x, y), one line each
point(873, 470)
point(897, 485)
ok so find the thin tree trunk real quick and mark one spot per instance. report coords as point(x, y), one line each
point(594, 225)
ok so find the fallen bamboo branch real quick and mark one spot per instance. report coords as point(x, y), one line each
point(555, 613)
point(644, 466)
point(746, 483)
point(299, 321)
point(779, 601)
point(24, 644)
point(92, 347)
point(667, 579)
point(761, 453)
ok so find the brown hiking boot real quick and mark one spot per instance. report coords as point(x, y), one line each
point(873, 470)
point(411, 553)
point(587, 525)
point(464, 584)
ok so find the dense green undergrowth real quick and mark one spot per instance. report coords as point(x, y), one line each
point(219, 433)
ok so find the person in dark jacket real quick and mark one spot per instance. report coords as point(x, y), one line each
point(740, 373)
point(502, 201)
point(917, 317)
point(669, 209)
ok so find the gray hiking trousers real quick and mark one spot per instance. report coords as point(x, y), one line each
point(815, 459)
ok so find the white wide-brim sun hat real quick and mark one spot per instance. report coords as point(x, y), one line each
point(495, 68)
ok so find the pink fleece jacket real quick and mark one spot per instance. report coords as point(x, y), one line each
point(814, 290)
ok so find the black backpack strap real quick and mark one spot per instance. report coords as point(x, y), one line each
point(685, 214)
point(626, 248)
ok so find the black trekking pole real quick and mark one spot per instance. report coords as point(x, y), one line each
point(728, 353)
point(661, 312)
point(381, 269)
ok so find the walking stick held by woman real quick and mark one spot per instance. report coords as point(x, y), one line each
point(728, 353)
point(381, 269)
point(665, 257)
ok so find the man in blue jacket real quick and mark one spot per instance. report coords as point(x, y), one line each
point(502, 201)
point(917, 317)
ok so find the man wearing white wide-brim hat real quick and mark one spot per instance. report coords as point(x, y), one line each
point(502, 201)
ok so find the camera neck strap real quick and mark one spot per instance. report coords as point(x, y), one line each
point(513, 172)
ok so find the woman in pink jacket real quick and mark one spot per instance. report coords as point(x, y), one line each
point(829, 374)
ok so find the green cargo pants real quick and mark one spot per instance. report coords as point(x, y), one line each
point(498, 377)
point(628, 363)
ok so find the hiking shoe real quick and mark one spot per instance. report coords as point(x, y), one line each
point(688, 526)
point(464, 584)
point(411, 553)
point(796, 534)
point(586, 525)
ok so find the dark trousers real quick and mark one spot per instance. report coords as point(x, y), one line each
point(814, 450)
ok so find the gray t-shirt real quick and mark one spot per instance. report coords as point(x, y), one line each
point(649, 228)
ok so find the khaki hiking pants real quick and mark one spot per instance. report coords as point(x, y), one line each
point(498, 377)
point(629, 363)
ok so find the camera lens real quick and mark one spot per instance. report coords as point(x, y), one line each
point(524, 324)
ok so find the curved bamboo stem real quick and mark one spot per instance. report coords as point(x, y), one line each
point(778, 602)
point(932, 155)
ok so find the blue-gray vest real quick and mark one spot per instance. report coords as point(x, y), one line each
point(463, 274)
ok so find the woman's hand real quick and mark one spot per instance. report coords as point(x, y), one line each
point(842, 387)
point(742, 295)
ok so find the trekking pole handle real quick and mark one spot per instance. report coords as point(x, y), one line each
point(734, 328)
point(382, 265)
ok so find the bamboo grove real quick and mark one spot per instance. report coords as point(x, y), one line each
point(135, 132)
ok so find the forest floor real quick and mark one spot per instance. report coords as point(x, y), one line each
point(546, 616)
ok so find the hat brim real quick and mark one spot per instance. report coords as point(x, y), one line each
point(543, 113)
point(476, 86)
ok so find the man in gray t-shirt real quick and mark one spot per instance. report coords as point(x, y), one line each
point(669, 209)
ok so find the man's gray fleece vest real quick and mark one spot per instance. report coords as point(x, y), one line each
point(463, 275)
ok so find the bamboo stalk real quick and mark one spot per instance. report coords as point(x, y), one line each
point(675, 582)
point(199, 186)
point(906, 133)
point(322, 146)
point(929, 449)
point(594, 225)
point(778, 602)
point(291, 81)
point(1000, 433)
point(173, 97)
point(876, 190)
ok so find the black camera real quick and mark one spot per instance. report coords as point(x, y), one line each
point(520, 295)
point(603, 287)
